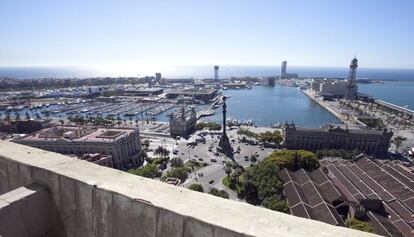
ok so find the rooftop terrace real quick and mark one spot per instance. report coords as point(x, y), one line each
point(81, 134)
point(91, 200)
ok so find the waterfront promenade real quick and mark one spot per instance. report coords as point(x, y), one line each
point(333, 107)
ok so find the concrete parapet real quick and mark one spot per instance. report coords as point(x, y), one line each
point(25, 212)
point(91, 200)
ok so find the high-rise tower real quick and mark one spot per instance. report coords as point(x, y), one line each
point(283, 69)
point(216, 73)
point(352, 87)
point(352, 72)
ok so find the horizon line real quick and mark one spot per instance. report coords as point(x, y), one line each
point(89, 65)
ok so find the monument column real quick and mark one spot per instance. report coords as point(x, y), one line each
point(224, 144)
point(224, 116)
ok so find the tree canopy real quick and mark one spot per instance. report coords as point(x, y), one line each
point(180, 173)
point(161, 151)
point(344, 154)
point(358, 225)
point(261, 181)
point(149, 170)
point(208, 125)
point(271, 137)
point(176, 162)
point(294, 160)
point(218, 193)
point(276, 204)
point(247, 133)
point(260, 184)
point(196, 187)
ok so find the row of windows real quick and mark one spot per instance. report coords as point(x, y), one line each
point(336, 138)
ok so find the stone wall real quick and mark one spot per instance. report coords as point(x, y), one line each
point(91, 200)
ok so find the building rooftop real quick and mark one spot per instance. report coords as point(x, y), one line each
point(383, 190)
point(84, 134)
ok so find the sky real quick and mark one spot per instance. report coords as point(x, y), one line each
point(199, 32)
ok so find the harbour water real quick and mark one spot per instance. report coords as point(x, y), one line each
point(269, 105)
point(397, 92)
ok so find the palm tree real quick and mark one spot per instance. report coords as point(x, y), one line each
point(228, 169)
point(17, 116)
point(398, 142)
point(8, 116)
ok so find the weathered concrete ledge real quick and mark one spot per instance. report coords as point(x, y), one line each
point(91, 200)
point(25, 212)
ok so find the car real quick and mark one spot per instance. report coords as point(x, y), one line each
point(211, 181)
point(213, 160)
point(200, 159)
point(246, 159)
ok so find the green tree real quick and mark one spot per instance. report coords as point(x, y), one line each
point(294, 160)
point(180, 173)
point(176, 162)
point(8, 118)
point(265, 178)
point(161, 151)
point(358, 225)
point(146, 143)
point(235, 175)
point(208, 125)
point(246, 132)
point(228, 169)
point(149, 171)
point(16, 116)
point(142, 154)
point(398, 142)
point(196, 187)
point(218, 193)
point(276, 204)
point(271, 137)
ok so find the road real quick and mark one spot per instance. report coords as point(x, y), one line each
point(212, 174)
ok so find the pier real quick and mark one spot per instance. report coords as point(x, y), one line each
point(205, 113)
point(211, 110)
point(333, 108)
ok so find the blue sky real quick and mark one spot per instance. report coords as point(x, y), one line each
point(197, 32)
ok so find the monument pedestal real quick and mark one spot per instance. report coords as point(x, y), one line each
point(225, 147)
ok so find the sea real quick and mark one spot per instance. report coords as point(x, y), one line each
point(264, 105)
